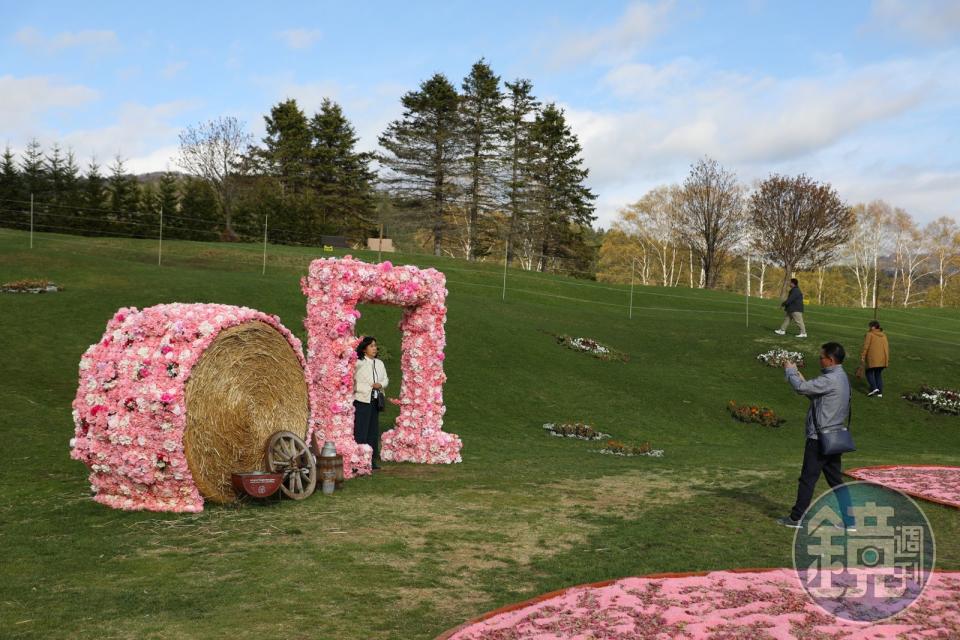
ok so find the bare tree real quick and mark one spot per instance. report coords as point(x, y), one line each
point(916, 262)
point(655, 219)
point(910, 255)
point(712, 216)
point(798, 223)
point(869, 239)
point(943, 236)
point(211, 151)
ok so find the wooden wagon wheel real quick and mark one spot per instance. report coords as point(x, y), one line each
point(289, 455)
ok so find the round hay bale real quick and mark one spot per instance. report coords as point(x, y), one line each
point(175, 398)
point(247, 385)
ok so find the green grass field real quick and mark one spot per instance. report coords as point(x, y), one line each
point(415, 550)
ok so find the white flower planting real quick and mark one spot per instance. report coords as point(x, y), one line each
point(776, 357)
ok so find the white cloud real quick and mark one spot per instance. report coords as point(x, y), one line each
point(672, 114)
point(923, 20)
point(633, 30)
point(300, 38)
point(25, 100)
point(138, 131)
point(160, 159)
point(94, 40)
point(638, 79)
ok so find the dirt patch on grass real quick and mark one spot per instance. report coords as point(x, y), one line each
point(629, 493)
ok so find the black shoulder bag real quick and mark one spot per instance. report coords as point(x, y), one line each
point(836, 439)
point(377, 399)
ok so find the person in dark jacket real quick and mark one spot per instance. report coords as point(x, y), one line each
point(829, 406)
point(793, 309)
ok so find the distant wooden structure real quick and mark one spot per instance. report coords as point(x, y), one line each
point(380, 244)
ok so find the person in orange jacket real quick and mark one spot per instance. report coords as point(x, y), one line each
point(875, 357)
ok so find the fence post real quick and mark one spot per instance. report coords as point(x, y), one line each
point(633, 262)
point(160, 244)
point(380, 245)
point(266, 219)
point(31, 220)
point(506, 254)
point(748, 290)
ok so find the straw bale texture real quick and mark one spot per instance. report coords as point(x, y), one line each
point(247, 385)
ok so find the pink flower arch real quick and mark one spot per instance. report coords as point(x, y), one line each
point(334, 287)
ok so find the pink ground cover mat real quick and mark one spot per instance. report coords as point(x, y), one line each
point(935, 483)
point(722, 605)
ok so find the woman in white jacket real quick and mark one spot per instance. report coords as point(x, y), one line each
point(370, 376)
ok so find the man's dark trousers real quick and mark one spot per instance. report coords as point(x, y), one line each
point(813, 463)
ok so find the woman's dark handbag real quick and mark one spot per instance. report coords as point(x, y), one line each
point(837, 439)
point(377, 399)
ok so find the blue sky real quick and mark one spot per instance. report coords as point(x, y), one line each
point(864, 94)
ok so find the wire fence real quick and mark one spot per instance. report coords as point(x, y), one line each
point(134, 242)
point(161, 225)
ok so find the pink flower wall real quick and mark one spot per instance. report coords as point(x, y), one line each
point(130, 411)
point(334, 287)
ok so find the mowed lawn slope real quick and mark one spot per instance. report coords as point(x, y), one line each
point(417, 549)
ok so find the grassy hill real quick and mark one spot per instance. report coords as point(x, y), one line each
point(417, 549)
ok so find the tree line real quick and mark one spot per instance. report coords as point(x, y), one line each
point(101, 200)
point(696, 233)
point(466, 172)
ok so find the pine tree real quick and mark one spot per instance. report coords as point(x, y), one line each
point(71, 196)
point(12, 198)
point(482, 118)
point(199, 213)
point(561, 198)
point(521, 108)
point(286, 147)
point(71, 181)
point(340, 176)
point(33, 172)
point(124, 199)
point(55, 174)
point(423, 152)
point(168, 198)
point(93, 215)
point(11, 186)
point(149, 213)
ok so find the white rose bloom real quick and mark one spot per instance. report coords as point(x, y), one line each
point(143, 352)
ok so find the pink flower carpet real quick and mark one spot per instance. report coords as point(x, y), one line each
point(939, 484)
point(722, 605)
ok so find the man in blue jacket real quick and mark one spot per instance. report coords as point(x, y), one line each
point(793, 308)
point(829, 406)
